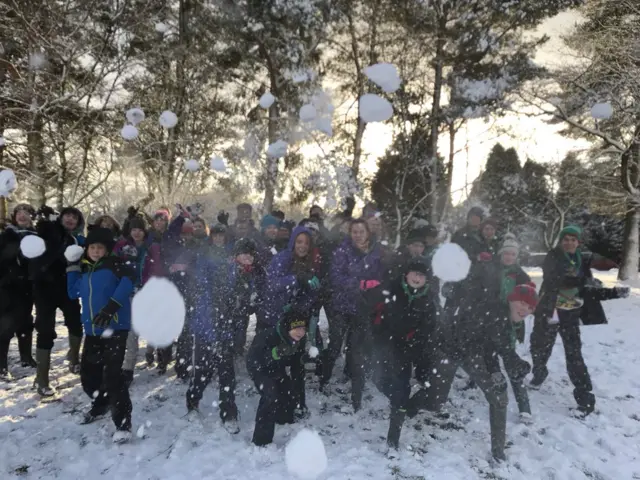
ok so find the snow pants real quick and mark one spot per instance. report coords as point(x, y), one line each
point(241, 323)
point(277, 405)
point(48, 298)
point(207, 362)
point(17, 319)
point(513, 366)
point(543, 338)
point(184, 352)
point(102, 379)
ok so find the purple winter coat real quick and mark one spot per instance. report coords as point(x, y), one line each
point(282, 286)
point(349, 267)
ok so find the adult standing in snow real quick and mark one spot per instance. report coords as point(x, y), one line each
point(48, 273)
point(16, 296)
point(268, 239)
point(468, 237)
point(357, 270)
point(104, 283)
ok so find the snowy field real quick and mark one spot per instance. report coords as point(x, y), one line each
point(44, 440)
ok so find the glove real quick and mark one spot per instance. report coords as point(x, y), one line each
point(368, 284)
point(485, 257)
point(104, 316)
point(223, 218)
point(622, 292)
point(132, 212)
point(305, 279)
point(47, 213)
point(521, 369)
point(284, 350)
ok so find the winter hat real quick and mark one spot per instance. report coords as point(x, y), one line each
point(245, 245)
point(162, 213)
point(418, 265)
point(138, 222)
point(269, 221)
point(489, 221)
point(429, 231)
point(101, 235)
point(476, 212)
point(510, 243)
point(573, 230)
point(525, 293)
point(416, 235)
point(288, 224)
point(291, 321)
point(218, 229)
point(24, 207)
point(187, 228)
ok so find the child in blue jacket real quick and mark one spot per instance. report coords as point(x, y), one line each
point(104, 284)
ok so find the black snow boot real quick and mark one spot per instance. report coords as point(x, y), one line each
point(73, 355)
point(95, 413)
point(43, 358)
point(4, 360)
point(25, 341)
point(396, 420)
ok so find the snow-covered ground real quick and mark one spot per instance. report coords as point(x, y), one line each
point(44, 440)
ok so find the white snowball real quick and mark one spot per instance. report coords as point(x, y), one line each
point(602, 111)
point(266, 100)
point(308, 113)
point(313, 352)
point(8, 182)
point(168, 119)
point(162, 27)
point(107, 333)
point(330, 203)
point(73, 253)
point(323, 124)
point(277, 149)
point(129, 132)
point(135, 115)
point(3, 142)
point(450, 263)
point(385, 75)
point(140, 432)
point(218, 164)
point(32, 246)
point(192, 165)
point(305, 455)
point(37, 61)
point(374, 108)
point(158, 312)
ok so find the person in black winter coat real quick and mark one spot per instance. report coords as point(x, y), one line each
point(469, 235)
point(272, 350)
point(48, 273)
point(16, 298)
point(403, 332)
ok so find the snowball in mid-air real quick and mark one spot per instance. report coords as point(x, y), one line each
point(450, 263)
point(308, 113)
point(305, 455)
point(602, 111)
point(267, 99)
point(385, 75)
point(3, 142)
point(32, 246)
point(217, 164)
point(192, 165)
point(374, 108)
point(323, 124)
point(313, 352)
point(37, 61)
point(168, 119)
point(277, 149)
point(129, 132)
point(135, 115)
point(8, 182)
point(157, 312)
point(162, 27)
point(73, 253)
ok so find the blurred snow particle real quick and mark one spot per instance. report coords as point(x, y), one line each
point(108, 333)
point(278, 149)
point(602, 111)
point(162, 27)
point(385, 75)
point(217, 164)
point(374, 108)
point(135, 115)
point(129, 132)
point(307, 113)
point(267, 99)
point(37, 61)
point(3, 142)
point(192, 165)
point(323, 124)
point(8, 182)
point(168, 119)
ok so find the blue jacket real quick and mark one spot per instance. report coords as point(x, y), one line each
point(282, 287)
point(97, 283)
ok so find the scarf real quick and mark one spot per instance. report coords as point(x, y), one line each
point(507, 281)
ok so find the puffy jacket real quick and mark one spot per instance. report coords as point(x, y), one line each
point(263, 358)
point(349, 266)
point(14, 267)
point(145, 261)
point(97, 283)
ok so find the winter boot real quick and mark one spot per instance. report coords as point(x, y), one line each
point(73, 355)
point(43, 359)
point(150, 357)
point(25, 341)
point(396, 419)
point(4, 360)
point(121, 436)
point(95, 413)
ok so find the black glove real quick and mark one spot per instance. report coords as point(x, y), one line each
point(284, 350)
point(104, 316)
point(622, 292)
point(520, 369)
point(132, 212)
point(223, 218)
point(304, 279)
point(45, 211)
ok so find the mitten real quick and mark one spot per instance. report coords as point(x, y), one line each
point(223, 218)
point(368, 284)
point(104, 316)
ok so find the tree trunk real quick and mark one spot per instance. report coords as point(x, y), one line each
point(438, 65)
point(631, 244)
point(35, 151)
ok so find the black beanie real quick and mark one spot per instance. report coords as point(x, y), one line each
point(245, 245)
point(25, 207)
point(419, 265)
point(416, 235)
point(138, 222)
point(476, 212)
point(103, 236)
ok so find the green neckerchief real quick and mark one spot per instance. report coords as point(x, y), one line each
point(412, 296)
point(507, 281)
point(573, 267)
point(575, 263)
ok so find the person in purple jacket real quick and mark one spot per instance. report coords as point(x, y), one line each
point(357, 270)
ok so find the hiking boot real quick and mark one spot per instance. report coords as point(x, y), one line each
point(43, 359)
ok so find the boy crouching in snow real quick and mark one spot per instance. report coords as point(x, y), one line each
point(104, 284)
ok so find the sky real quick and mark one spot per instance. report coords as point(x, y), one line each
point(530, 136)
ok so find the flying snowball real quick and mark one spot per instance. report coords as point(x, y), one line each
point(330, 203)
point(602, 111)
point(385, 75)
point(129, 132)
point(305, 455)
point(168, 119)
point(8, 182)
point(450, 263)
point(308, 113)
point(37, 61)
point(266, 100)
point(158, 312)
point(162, 27)
point(192, 165)
point(32, 246)
point(374, 108)
point(135, 115)
point(217, 164)
point(73, 253)
point(3, 142)
point(324, 125)
point(277, 149)
point(313, 352)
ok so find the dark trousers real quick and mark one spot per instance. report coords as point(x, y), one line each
point(207, 362)
point(543, 338)
point(184, 352)
point(515, 379)
point(241, 323)
point(101, 376)
point(17, 320)
point(48, 298)
point(276, 405)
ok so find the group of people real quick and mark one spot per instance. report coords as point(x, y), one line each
point(384, 304)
